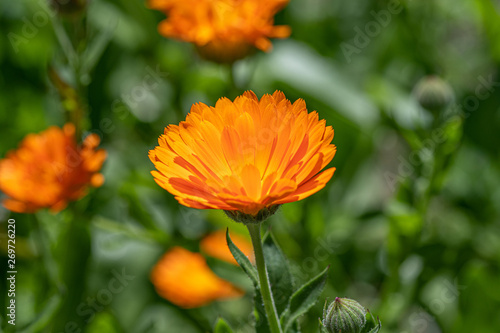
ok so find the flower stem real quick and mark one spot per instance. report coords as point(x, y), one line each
point(232, 88)
point(265, 288)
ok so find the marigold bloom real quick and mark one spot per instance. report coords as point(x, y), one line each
point(184, 278)
point(223, 30)
point(245, 156)
point(49, 169)
point(215, 245)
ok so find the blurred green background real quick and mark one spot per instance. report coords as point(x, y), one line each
point(409, 223)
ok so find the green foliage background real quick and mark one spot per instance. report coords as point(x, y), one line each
point(418, 243)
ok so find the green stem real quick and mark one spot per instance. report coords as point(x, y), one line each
point(233, 90)
point(265, 288)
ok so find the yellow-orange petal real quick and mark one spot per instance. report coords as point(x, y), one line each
point(310, 187)
point(281, 31)
point(246, 155)
point(50, 169)
point(184, 278)
point(223, 30)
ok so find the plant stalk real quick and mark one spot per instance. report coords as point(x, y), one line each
point(265, 288)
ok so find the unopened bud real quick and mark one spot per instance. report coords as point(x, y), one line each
point(433, 93)
point(344, 315)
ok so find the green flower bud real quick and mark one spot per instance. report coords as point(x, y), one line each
point(261, 216)
point(344, 315)
point(433, 93)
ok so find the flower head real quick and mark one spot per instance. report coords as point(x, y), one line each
point(214, 244)
point(249, 155)
point(344, 315)
point(433, 93)
point(223, 30)
point(49, 169)
point(184, 278)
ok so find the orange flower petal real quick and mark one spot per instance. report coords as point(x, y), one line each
point(223, 30)
point(184, 278)
point(245, 155)
point(49, 169)
point(215, 245)
point(310, 187)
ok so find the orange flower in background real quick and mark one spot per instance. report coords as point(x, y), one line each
point(223, 30)
point(49, 169)
point(246, 156)
point(184, 278)
point(215, 245)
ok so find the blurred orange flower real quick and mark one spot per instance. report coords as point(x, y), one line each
point(215, 245)
point(49, 169)
point(245, 156)
point(184, 278)
point(223, 30)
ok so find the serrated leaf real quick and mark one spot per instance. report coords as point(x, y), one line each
point(295, 328)
point(221, 326)
point(372, 325)
point(261, 322)
point(303, 299)
point(242, 260)
point(278, 270)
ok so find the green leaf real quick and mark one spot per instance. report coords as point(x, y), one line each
point(261, 321)
point(295, 328)
point(278, 270)
point(221, 326)
point(372, 325)
point(303, 299)
point(242, 260)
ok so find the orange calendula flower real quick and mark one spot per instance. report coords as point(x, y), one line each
point(49, 169)
point(184, 278)
point(223, 30)
point(246, 157)
point(215, 245)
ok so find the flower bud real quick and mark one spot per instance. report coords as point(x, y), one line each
point(261, 216)
point(344, 315)
point(433, 93)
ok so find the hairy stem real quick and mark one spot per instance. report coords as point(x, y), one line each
point(265, 288)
